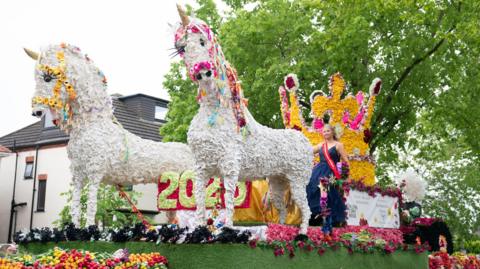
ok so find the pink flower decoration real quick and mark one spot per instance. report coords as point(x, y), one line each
point(318, 124)
point(359, 97)
point(194, 29)
point(346, 117)
point(290, 82)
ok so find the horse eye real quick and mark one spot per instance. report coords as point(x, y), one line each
point(202, 42)
point(48, 77)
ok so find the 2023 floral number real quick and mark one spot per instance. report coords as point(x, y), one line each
point(175, 192)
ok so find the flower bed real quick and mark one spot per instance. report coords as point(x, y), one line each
point(441, 260)
point(58, 258)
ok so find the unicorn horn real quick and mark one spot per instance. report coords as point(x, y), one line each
point(183, 16)
point(31, 53)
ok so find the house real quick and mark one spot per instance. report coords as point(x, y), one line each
point(34, 175)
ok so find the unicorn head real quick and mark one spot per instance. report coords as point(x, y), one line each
point(69, 85)
point(218, 83)
point(194, 41)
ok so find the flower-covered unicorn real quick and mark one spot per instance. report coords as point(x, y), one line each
point(224, 137)
point(100, 149)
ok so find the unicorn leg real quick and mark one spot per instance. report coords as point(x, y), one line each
point(299, 195)
point(77, 183)
point(230, 183)
point(92, 199)
point(278, 186)
point(199, 191)
point(230, 179)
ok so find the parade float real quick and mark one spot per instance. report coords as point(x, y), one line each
point(226, 147)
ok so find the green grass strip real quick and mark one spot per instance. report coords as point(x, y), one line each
point(242, 256)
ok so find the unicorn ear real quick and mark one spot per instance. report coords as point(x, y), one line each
point(32, 54)
point(183, 16)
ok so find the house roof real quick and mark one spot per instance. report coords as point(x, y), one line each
point(35, 134)
point(140, 95)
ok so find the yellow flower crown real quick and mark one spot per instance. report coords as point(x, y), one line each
point(353, 131)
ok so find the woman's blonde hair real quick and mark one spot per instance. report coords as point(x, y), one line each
point(334, 133)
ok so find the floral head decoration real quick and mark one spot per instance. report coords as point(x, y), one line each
point(224, 74)
point(60, 101)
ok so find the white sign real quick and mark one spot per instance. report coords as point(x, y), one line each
point(379, 211)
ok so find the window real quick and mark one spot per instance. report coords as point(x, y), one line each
point(48, 123)
point(42, 190)
point(160, 112)
point(28, 170)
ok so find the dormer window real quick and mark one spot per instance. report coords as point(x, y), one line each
point(160, 112)
point(48, 120)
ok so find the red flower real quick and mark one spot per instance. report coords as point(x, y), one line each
point(253, 243)
point(195, 29)
point(242, 122)
point(210, 221)
point(291, 254)
point(377, 87)
point(290, 83)
point(321, 251)
point(296, 127)
point(279, 251)
point(367, 136)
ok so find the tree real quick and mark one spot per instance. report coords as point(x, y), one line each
point(107, 204)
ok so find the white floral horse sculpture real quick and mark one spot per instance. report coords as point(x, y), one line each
point(74, 89)
point(224, 137)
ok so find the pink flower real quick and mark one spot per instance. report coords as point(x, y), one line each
point(359, 97)
point(194, 29)
point(318, 124)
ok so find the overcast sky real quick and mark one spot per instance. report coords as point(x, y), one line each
point(128, 41)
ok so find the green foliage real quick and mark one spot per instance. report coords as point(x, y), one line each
point(182, 106)
point(472, 246)
point(107, 204)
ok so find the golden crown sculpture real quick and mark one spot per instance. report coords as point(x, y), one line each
point(350, 117)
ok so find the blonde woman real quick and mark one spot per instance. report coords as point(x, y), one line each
point(330, 151)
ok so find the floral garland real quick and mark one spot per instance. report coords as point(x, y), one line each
point(354, 238)
point(425, 221)
point(373, 190)
point(59, 258)
point(155, 234)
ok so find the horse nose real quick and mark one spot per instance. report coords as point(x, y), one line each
point(199, 76)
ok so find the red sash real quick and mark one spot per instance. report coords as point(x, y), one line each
point(330, 162)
